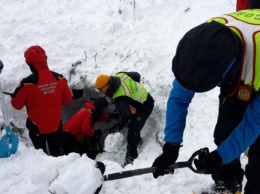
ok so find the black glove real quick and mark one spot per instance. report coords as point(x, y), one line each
point(230, 175)
point(114, 115)
point(168, 157)
point(101, 166)
point(207, 161)
point(77, 93)
point(98, 133)
point(114, 129)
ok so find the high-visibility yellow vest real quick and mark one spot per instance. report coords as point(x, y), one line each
point(246, 24)
point(130, 88)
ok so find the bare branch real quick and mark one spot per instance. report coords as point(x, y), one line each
point(86, 57)
point(95, 57)
point(128, 55)
point(134, 9)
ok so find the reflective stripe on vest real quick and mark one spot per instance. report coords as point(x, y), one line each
point(130, 88)
point(246, 24)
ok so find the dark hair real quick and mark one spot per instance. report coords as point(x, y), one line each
point(100, 104)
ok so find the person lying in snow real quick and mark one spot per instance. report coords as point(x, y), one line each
point(79, 135)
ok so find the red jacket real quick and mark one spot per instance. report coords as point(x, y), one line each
point(242, 4)
point(43, 93)
point(79, 124)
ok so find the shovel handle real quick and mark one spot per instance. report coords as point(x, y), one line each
point(7, 93)
point(1, 66)
point(129, 173)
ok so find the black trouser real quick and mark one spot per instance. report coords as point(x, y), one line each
point(136, 124)
point(253, 169)
point(91, 145)
point(88, 145)
point(254, 4)
point(54, 140)
point(69, 143)
point(231, 112)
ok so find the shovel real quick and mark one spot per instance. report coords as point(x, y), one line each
point(140, 171)
point(9, 140)
point(136, 172)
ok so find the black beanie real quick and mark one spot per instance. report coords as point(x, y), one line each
point(100, 104)
point(204, 55)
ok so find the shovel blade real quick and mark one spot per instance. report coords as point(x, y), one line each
point(8, 144)
point(4, 146)
point(14, 139)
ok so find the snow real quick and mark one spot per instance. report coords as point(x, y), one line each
point(107, 36)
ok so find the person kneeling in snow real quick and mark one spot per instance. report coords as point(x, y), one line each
point(43, 93)
point(79, 135)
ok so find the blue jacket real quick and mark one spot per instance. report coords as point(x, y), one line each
point(239, 140)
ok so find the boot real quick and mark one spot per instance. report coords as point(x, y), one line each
point(129, 159)
point(130, 156)
point(228, 178)
point(140, 143)
point(221, 188)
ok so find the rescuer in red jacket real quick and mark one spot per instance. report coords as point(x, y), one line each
point(80, 126)
point(43, 93)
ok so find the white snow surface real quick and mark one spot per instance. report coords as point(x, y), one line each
point(107, 36)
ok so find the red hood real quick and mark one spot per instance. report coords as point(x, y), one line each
point(36, 57)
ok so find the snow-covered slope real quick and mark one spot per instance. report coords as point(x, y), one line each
point(107, 37)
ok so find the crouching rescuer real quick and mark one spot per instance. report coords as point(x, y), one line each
point(133, 103)
point(222, 52)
